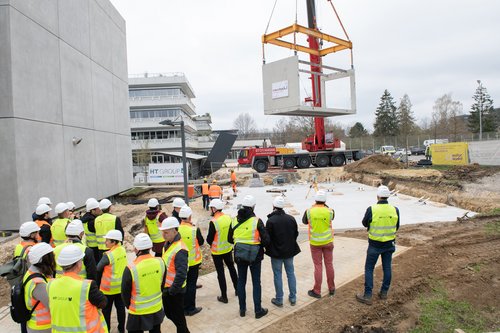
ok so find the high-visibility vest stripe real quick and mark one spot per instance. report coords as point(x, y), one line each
point(57, 251)
point(247, 232)
point(320, 228)
point(221, 245)
point(383, 224)
point(89, 236)
point(169, 259)
point(40, 318)
point(188, 235)
point(153, 230)
point(111, 282)
point(104, 223)
point(146, 287)
point(58, 230)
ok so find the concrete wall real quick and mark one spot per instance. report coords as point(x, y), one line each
point(63, 74)
point(485, 152)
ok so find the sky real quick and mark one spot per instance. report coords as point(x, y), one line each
point(424, 48)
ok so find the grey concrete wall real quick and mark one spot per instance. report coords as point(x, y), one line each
point(63, 74)
point(485, 152)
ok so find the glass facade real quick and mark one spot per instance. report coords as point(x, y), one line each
point(151, 92)
point(156, 113)
point(159, 135)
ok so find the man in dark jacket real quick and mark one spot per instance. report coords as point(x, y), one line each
point(283, 232)
point(245, 230)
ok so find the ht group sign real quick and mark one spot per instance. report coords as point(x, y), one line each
point(165, 173)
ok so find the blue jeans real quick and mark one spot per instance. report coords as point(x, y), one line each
point(371, 259)
point(277, 265)
point(242, 281)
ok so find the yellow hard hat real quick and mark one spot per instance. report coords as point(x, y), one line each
point(214, 181)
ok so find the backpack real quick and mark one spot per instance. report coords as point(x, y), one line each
point(18, 310)
point(14, 271)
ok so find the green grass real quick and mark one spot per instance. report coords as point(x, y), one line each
point(493, 212)
point(441, 314)
point(492, 228)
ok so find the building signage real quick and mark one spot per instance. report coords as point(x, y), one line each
point(160, 173)
point(456, 153)
point(280, 89)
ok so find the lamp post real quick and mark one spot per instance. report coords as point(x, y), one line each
point(480, 110)
point(183, 142)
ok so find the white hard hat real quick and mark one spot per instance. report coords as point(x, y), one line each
point(320, 196)
point(142, 242)
point(105, 204)
point(169, 223)
point(27, 228)
point(90, 199)
point(91, 204)
point(61, 207)
point(37, 251)
point(74, 228)
point(42, 209)
point(44, 200)
point(69, 255)
point(71, 205)
point(383, 191)
point(279, 202)
point(185, 212)
point(217, 204)
point(248, 201)
point(153, 203)
point(114, 234)
point(178, 203)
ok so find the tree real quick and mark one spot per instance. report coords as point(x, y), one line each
point(446, 118)
point(358, 131)
point(386, 122)
point(484, 104)
point(245, 124)
point(406, 119)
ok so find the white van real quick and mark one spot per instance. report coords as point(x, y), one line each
point(387, 150)
point(431, 142)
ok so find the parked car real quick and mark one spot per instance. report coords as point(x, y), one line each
point(387, 150)
point(403, 151)
point(417, 150)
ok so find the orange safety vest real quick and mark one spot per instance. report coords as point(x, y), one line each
point(169, 259)
point(215, 191)
point(233, 177)
point(204, 189)
point(40, 223)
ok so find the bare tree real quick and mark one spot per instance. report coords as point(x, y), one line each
point(445, 117)
point(245, 124)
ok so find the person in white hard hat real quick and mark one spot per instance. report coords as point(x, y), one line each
point(74, 301)
point(152, 220)
point(283, 232)
point(60, 223)
point(72, 207)
point(43, 220)
point(175, 256)
point(177, 205)
point(41, 270)
point(248, 229)
point(42, 201)
point(104, 223)
point(110, 272)
point(29, 234)
point(319, 219)
point(221, 249)
point(382, 222)
point(88, 219)
point(143, 280)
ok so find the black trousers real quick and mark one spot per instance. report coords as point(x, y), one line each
point(192, 278)
point(173, 306)
point(97, 258)
point(219, 261)
point(120, 311)
point(205, 201)
point(156, 329)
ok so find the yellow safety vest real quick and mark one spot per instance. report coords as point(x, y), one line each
point(147, 274)
point(111, 282)
point(57, 251)
point(220, 245)
point(319, 220)
point(90, 236)
point(153, 231)
point(40, 318)
point(169, 259)
point(188, 235)
point(58, 230)
point(104, 223)
point(247, 232)
point(383, 224)
point(19, 248)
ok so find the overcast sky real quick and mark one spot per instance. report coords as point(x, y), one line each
point(424, 48)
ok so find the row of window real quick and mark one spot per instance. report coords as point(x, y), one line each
point(155, 92)
point(152, 135)
point(161, 113)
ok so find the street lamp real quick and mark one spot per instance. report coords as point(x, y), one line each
point(183, 142)
point(480, 110)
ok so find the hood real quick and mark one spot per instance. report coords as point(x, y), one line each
point(277, 211)
point(152, 213)
point(244, 214)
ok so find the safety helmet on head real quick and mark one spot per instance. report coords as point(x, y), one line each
point(153, 203)
point(69, 255)
point(61, 207)
point(27, 228)
point(71, 205)
point(142, 242)
point(44, 200)
point(169, 223)
point(105, 204)
point(185, 212)
point(115, 235)
point(90, 199)
point(205, 179)
point(279, 202)
point(74, 228)
point(320, 196)
point(214, 181)
point(42, 209)
point(37, 252)
point(217, 204)
point(248, 201)
point(91, 204)
point(383, 192)
point(178, 203)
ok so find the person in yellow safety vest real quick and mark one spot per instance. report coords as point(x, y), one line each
point(382, 222)
point(104, 223)
point(43, 220)
point(29, 234)
point(60, 223)
point(191, 236)
point(88, 220)
point(215, 191)
point(74, 302)
point(177, 205)
point(319, 220)
point(175, 256)
point(74, 234)
point(233, 181)
point(249, 229)
point(152, 220)
point(109, 277)
point(36, 298)
point(205, 192)
point(142, 286)
point(222, 250)
point(72, 214)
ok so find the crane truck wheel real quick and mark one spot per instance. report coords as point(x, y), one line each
point(260, 166)
point(322, 161)
point(303, 162)
point(338, 160)
point(289, 163)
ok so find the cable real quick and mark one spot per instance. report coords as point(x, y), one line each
point(267, 27)
point(340, 21)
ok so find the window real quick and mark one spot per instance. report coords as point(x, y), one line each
point(151, 92)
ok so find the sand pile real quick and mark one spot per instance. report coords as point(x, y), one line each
point(374, 163)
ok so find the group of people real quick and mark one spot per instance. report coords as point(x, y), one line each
point(75, 279)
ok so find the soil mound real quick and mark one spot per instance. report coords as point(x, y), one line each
point(373, 164)
point(469, 173)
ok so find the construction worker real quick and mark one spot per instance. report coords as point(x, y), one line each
point(104, 223)
point(42, 201)
point(88, 220)
point(29, 234)
point(222, 250)
point(205, 192)
point(215, 191)
point(233, 181)
point(177, 205)
point(382, 222)
point(152, 220)
point(283, 232)
point(319, 220)
point(142, 286)
point(60, 223)
point(110, 271)
point(74, 233)
point(249, 229)
point(74, 302)
point(175, 256)
point(191, 236)
point(42, 269)
point(43, 220)
point(72, 214)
